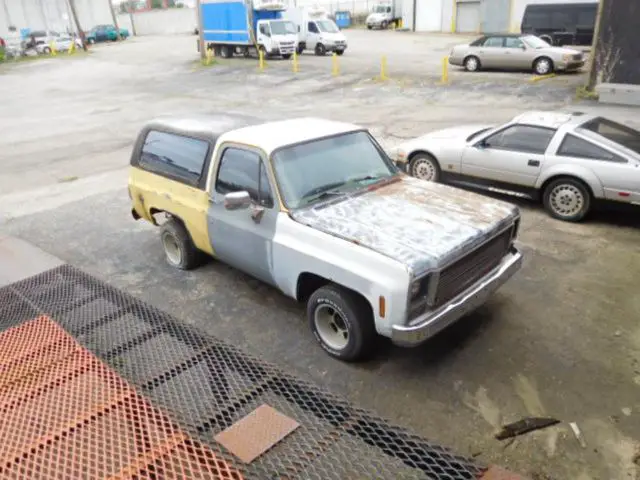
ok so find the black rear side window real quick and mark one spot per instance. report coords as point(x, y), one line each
point(175, 156)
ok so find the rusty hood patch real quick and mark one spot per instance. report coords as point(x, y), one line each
point(420, 224)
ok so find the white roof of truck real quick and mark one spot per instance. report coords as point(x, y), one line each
point(274, 135)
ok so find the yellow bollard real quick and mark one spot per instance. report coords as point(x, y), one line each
point(261, 64)
point(72, 47)
point(335, 66)
point(52, 47)
point(445, 70)
point(209, 56)
point(383, 68)
point(295, 62)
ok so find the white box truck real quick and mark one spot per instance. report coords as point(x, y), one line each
point(316, 31)
point(384, 14)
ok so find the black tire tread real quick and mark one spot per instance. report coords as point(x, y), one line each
point(352, 304)
point(191, 256)
point(574, 181)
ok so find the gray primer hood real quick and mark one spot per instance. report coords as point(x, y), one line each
point(420, 224)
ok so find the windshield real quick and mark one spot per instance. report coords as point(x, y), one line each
point(615, 132)
point(327, 26)
point(330, 166)
point(381, 9)
point(534, 42)
point(283, 28)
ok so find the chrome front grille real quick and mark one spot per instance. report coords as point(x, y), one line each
point(577, 56)
point(466, 271)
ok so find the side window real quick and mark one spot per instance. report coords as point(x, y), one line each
point(493, 42)
point(175, 156)
point(513, 42)
point(573, 146)
point(242, 170)
point(312, 27)
point(522, 138)
point(263, 29)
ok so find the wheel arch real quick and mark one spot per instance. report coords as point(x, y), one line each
point(308, 283)
point(583, 175)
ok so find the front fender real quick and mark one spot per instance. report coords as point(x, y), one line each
point(576, 171)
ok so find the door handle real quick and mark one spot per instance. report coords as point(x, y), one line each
point(534, 163)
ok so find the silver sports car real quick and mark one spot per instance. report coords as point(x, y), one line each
point(515, 52)
point(568, 160)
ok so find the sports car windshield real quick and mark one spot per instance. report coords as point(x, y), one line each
point(329, 167)
point(615, 132)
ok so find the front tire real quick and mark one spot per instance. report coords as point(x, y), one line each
point(425, 167)
point(384, 25)
point(320, 50)
point(339, 52)
point(472, 63)
point(286, 56)
point(567, 199)
point(179, 250)
point(342, 323)
point(543, 66)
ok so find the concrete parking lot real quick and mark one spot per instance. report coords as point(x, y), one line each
point(562, 339)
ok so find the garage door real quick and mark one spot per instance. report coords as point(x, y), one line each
point(467, 17)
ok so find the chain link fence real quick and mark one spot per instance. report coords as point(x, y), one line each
point(186, 388)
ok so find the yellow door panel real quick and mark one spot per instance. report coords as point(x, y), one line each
point(151, 192)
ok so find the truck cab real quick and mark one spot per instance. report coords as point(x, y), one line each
point(277, 37)
point(317, 32)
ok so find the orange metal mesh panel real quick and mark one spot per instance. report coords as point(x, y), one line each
point(67, 415)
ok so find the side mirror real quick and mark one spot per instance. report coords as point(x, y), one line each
point(481, 145)
point(298, 28)
point(237, 200)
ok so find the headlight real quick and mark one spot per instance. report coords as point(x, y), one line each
point(566, 57)
point(418, 288)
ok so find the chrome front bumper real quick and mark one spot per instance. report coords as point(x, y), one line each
point(429, 324)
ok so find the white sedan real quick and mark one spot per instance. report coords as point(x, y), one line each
point(567, 160)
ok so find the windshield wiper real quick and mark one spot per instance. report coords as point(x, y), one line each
point(366, 178)
point(323, 191)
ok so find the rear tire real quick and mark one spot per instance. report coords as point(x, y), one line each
point(179, 250)
point(342, 323)
point(226, 51)
point(567, 199)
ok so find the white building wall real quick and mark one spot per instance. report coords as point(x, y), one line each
point(162, 22)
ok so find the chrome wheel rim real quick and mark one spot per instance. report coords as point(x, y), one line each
point(543, 67)
point(331, 327)
point(472, 64)
point(424, 169)
point(172, 249)
point(566, 200)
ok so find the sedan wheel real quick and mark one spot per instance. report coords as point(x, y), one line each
point(567, 199)
point(543, 66)
point(472, 64)
point(425, 167)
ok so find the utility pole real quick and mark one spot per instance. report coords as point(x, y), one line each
point(593, 73)
point(115, 20)
point(44, 16)
point(203, 53)
point(6, 13)
point(76, 22)
point(133, 25)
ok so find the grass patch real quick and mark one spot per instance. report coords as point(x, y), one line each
point(583, 93)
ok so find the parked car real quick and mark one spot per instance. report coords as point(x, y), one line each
point(105, 33)
point(62, 43)
point(561, 23)
point(515, 52)
point(318, 210)
point(567, 160)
